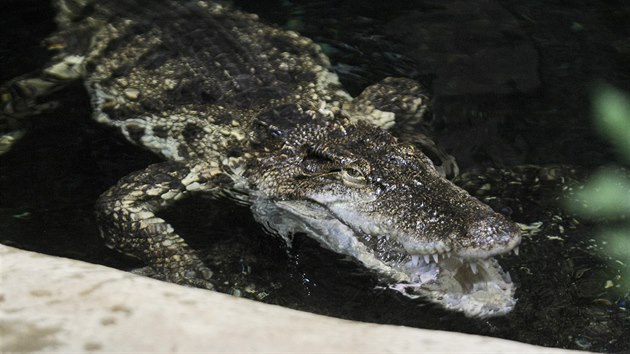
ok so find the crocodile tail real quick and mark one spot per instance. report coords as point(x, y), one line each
point(69, 11)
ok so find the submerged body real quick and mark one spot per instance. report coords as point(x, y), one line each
point(251, 112)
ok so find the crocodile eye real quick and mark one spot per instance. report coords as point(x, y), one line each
point(353, 176)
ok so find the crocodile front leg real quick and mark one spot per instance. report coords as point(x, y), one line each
point(126, 214)
point(401, 105)
point(392, 101)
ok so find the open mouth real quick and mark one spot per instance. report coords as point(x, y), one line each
point(476, 286)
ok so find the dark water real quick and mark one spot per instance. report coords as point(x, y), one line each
point(511, 80)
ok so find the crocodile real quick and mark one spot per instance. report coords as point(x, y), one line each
point(244, 110)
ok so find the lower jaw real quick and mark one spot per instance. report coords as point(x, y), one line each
point(483, 290)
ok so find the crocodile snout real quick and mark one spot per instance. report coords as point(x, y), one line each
point(489, 235)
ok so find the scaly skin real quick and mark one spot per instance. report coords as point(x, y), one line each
point(242, 109)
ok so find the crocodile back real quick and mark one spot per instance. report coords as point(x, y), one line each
point(153, 68)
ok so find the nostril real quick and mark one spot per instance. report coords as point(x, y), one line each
point(493, 231)
point(483, 233)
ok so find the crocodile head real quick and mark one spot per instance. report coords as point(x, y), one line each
point(359, 192)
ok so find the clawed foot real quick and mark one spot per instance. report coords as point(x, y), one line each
point(14, 117)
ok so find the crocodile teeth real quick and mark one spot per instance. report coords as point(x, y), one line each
point(427, 258)
point(435, 257)
point(515, 250)
point(414, 260)
point(473, 267)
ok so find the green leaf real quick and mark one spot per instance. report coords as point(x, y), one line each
point(612, 117)
point(618, 240)
point(605, 195)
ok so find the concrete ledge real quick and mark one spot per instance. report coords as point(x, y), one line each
point(51, 304)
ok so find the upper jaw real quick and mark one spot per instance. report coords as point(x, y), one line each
point(438, 248)
point(498, 239)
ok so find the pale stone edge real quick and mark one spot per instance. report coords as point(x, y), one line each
point(53, 304)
